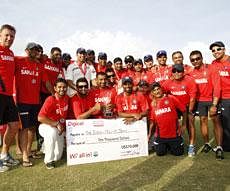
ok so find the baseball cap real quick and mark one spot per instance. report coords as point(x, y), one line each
point(81, 51)
point(161, 53)
point(32, 45)
point(178, 68)
point(90, 51)
point(143, 83)
point(66, 56)
point(217, 43)
point(102, 56)
point(155, 84)
point(127, 79)
point(129, 58)
point(137, 61)
point(148, 57)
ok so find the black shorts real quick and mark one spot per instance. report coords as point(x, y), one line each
point(202, 108)
point(29, 115)
point(8, 109)
point(175, 146)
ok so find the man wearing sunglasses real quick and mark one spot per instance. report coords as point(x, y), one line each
point(209, 88)
point(82, 103)
point(184, 88)
point(222, 64)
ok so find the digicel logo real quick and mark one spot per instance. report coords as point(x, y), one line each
point(75, 123)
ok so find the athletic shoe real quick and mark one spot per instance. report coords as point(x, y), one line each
point(3, 168)
point(206, 148)
point(219, 154)
point(10, 161)
point(191, 151)
point(50, 165)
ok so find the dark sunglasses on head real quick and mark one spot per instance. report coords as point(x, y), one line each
point(174, 70)
point(195, 59)
point(83, 86)
point(216, 50)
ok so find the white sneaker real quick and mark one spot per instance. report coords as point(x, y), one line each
point(191, 151)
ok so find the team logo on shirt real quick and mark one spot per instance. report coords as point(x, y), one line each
point(182, 87)
point(7, 58)
point(178, 93)
point(224, 73)
point(52, 68)
point(162, 110)
point(166, 102)
point(201, 81)
point(134, 101)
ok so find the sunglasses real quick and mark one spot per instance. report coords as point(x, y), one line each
point(217, 50)
point(174, 70)
point(195, 59)
point(83, 86)
point(111, 76)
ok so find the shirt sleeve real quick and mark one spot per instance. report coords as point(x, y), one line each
point(46, 106)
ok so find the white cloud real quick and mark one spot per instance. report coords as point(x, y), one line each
point(196, 45)
point(113, 43)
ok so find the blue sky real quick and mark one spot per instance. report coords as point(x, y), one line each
point(119, 27)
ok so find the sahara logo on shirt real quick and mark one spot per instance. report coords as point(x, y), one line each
point(201, 81)
point(224, 73)
point(8, 58)
point(162, 110)
point(29, 72)
point(105, 100)
point(178, 93)
point(52, 68)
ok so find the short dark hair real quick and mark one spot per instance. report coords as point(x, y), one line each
point(55, 49)
point(196, 52)
point(101, 74)
point(83, 79)
point(117, 59)
point(7, 26)
point(177, 52)
point(109, 70)
point(60, 80)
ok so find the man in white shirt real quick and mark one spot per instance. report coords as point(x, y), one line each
point(78, 70)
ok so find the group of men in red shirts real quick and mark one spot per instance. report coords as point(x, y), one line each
point(162, 93)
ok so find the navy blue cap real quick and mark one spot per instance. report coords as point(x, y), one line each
point(161, 53)
point(148, 57)
point(127, 79)
point(155, 84)
point(66, 56)
point(143, 83)
point(102, 56)
point(81, 51)
point(137, 61)
point(217, 43)
point(32, 45)
point(178, 67)
point(90, 51)
point(129, 58)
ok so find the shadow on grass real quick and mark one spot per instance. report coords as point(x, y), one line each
point(142, 174)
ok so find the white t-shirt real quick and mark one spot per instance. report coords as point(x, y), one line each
point(74, 72)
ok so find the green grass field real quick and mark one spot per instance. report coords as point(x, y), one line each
point(202, 172)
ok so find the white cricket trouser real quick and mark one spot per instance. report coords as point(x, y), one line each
point(53, 143)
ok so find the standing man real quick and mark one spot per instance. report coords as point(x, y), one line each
point(102, 60)
point(178, 58)
point(163, 71)
point(105, 96)
point(208, 95)
point(222, 64)
point(8, 110)
point(29, 76)
point(78, 70)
